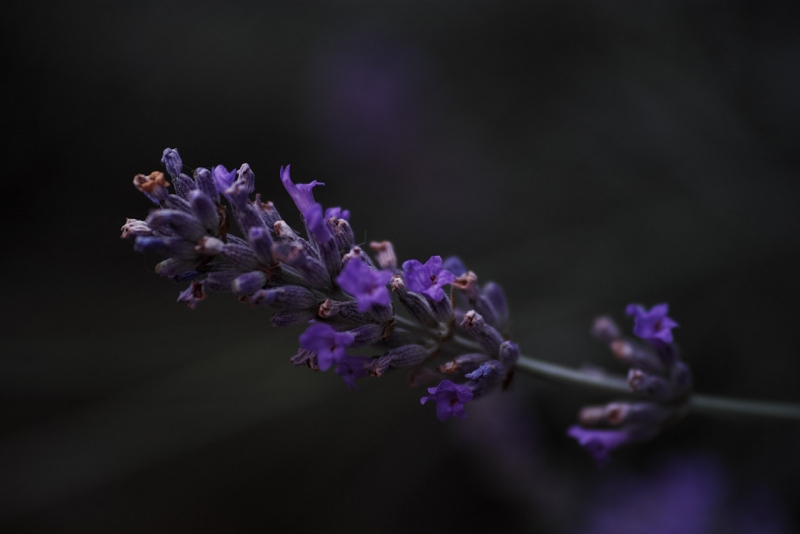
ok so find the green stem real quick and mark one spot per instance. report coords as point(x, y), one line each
point(702, 404)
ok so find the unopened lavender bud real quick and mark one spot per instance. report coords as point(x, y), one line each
point(489, 370)
point(287, 318)
point(385, 254)
point(261, 243)
point(284, 232)
point(487, 336)
point(416, 304)
point(408, 355)
point(220, 282)
point(468, 284)
point(378, 366)
point(486, 377)
point(209, 246)
point(605, 329)
point(172, 161)
point(367, 334)
point(248, 283)
point(442, 309)
point(150, 244)
point(237, 193)
point(204, 209)
point(509, 353)
point(348, 311)
point(240, 257)
point(267, 211)
point(178, 222)
point(290, 297)
point(637, 356)
point(183, 185)
point(247, 177)
point(134, 227)
point(154, 186)
point(466, 363)
point(176, 202)
point(172, 267)
point(399, 358)
point(305, 357)
point(205, 183)
point(192, 295)
point(650, 385)
point(342, 234)
point(301, 260)
point(356, 253)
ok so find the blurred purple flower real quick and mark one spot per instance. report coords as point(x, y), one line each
point(599, 442)
point(654, 324)
point(330, 345)
point(687, 496)
point(351, 368)
point(450, 399)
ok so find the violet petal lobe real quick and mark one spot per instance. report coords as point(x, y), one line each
point(302, 194)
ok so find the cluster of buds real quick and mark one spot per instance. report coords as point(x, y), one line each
point(453, 330)
point(656, 374)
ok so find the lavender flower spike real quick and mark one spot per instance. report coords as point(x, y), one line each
point(330, 345)
point(302, 194)
point(654, 324)
point(450, 399)
point(367, 285)
point(427, 279)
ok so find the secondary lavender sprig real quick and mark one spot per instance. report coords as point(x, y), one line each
point(657, 376)
point(433, 319)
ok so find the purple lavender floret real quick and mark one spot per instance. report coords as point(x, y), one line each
point(336, 213)
point(653, 324)
point(367, 285)
point(350, 368)
point(302, 194)
point(450, 399)
point(330, 345)
point(317, 224)
point(599, 442)
point(429, 278)
point(223, 178)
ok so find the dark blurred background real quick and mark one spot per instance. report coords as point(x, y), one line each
point(583, 154)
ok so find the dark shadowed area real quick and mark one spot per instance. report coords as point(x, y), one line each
point(582, 154)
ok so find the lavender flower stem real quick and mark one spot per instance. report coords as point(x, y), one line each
point(713, 405)
point(703, 404)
